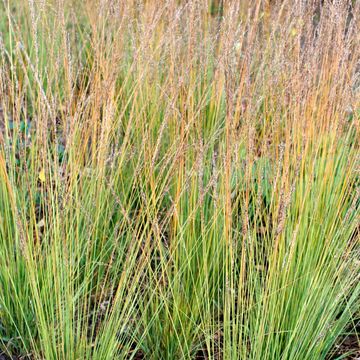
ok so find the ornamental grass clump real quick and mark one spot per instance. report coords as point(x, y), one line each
point(179, 179)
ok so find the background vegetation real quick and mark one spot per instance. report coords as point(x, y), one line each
point(179, 179)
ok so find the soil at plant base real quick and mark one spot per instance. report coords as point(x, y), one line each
point(349, 345)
